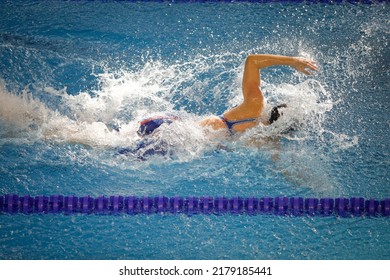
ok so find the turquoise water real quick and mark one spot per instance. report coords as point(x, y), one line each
point(72, 71)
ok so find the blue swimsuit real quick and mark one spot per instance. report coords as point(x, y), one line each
point(230, 124)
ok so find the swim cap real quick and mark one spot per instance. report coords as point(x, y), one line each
point(149, 125)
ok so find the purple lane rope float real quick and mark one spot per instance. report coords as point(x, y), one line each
point(191, 205)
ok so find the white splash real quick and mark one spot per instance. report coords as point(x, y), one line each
point(109, 117)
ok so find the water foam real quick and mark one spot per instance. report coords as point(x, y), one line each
point(108, 117)
point(20, 114)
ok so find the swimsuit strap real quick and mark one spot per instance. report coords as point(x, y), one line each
point(230, 124)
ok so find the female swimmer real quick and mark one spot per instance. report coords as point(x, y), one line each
point(238, 119)
point(250, 112)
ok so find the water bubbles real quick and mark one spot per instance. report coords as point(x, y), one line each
point(108, 116)
point(105, 120)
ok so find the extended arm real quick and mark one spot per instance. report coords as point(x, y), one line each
point(253, 103)
point(255, 62)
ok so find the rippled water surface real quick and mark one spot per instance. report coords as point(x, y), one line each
point(72, 73)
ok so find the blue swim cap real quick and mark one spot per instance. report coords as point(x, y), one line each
point(149, 125)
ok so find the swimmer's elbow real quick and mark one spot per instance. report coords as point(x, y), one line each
point(256, 59)
point(250, 60)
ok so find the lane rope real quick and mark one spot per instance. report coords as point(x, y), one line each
point(191, 205)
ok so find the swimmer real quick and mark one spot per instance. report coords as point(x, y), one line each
point(250, 112)
point(238, 119)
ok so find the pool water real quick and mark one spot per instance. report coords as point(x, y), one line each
point(73, 72)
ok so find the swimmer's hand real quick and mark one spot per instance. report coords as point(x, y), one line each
point(303, 65)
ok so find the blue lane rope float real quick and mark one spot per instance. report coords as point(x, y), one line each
point(272, 1)
point(294, 206)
